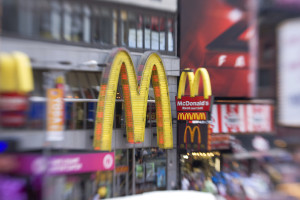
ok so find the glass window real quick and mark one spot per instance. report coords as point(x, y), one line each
point(150, 169)
point(55, 20)
point(94, 82)
point(132, 32)
point(154, 33)
point(86, 24)
point(147, 29)
point(26, 18)
point(124, 28)
point(106, 26)
point(162, 34)
point(170, 35)
point(73, 84)
point(67, 21)
point(95, 25)
point(85, 86)
point(10, 16)
point(45, 19)
point(140, 32)
point(38, 83)
point(77, 23)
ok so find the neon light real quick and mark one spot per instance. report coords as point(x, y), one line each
point(135, 95)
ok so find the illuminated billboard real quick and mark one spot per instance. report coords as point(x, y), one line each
point(216, 34)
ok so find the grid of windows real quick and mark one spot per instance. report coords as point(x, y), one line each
point(90, 22)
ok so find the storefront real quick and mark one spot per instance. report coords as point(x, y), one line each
point(61, 176)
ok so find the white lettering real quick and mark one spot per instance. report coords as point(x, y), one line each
point(240, 62)
point(222, 60)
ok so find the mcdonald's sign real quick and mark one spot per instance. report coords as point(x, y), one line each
point(135, 95)
point(200, 116)
point(192, 133)
point(194, 107)
point(192, 136)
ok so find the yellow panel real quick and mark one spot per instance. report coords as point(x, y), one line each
point(23, 73)
point(8, 82)
point(138, 99)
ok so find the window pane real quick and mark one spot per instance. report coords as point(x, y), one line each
point(67, 19)
point(124, 28)
point(72, 82)
point(140, 32)
point(154, 33)
point(77, 25)
point(162, 34)
point(45, 20)
point(94, 82)
point(38, 83)
point(82, 79)
point(106, 27)
point(10, 16)
point(132, 30)
point(147, 32)
point(86, 24)
point(170, 35)
point(55, 20)
point(95, 25)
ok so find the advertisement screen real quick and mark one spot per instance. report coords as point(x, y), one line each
point(215, 34)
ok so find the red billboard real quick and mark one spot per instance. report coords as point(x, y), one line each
point(215, 34)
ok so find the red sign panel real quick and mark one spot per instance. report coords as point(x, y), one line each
point(193, 104)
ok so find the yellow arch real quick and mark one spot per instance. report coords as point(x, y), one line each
point(135, 93)
point(192, 133)
point(194, 82)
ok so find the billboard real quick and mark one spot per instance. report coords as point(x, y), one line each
point(288, 73)
point(242, 118)
point(215, 34)
point(135, 94)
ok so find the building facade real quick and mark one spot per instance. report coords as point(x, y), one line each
point(68, 43)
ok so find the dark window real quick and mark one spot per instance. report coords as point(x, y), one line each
point(264, 78)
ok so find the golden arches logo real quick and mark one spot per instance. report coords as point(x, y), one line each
point(135, 95)
point(192, 116)
point(194, 80)
point(192, 133)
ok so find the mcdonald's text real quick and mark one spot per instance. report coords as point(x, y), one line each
point(195, 104)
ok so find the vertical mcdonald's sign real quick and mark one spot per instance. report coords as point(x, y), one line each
point(193, 111)
point(16, 82)
point(135, 95)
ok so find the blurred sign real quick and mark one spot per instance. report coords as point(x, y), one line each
point(216, 34)
point(242, 118)
point(65, 164)
point(289, 73)
point(55, 115)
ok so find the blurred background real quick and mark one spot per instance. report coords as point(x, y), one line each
point(56, 54)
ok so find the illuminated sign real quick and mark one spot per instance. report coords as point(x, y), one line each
point(194, 107)
point(135, 94)
point(192, 116)
point(194, 80)
point(192, 133)
point(193, 137)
